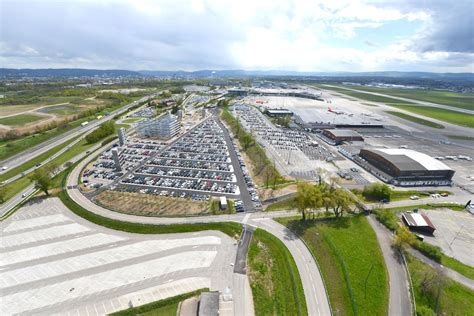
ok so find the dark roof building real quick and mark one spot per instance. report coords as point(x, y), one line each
point(278, 112)
point(209, 304)
point(406, 167)
point(342, 135)
point(418, 222)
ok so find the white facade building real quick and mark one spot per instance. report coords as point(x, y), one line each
point(164, 127)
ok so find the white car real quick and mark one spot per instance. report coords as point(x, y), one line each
point(414, 197)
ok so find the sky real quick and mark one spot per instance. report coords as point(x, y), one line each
point(291, 35)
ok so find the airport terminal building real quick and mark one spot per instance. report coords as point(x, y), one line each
point(405, 167)
point(342, 135)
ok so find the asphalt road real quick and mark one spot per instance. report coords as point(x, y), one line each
point(39, 149)
point(240, 265)
point(399, 301)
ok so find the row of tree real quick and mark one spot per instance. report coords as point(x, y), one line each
point(310, 198)
point(104, 130)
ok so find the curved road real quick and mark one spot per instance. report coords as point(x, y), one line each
point(316, 299)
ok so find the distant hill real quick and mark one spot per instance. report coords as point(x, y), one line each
point(65, 72)
point(78, 72)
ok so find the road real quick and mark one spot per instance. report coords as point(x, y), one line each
point(316, 299)
point(399, 301)
point(20, 158)
point(423, 103)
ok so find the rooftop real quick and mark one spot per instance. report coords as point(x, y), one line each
point(407, 159)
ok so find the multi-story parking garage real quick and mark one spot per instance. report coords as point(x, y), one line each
point(405, 167)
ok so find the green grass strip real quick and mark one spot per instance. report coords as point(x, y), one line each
point(161, 307)
point(230, 228)
point(415, 119)
point(274, 278)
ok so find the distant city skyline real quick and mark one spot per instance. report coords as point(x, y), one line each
point(306, 36)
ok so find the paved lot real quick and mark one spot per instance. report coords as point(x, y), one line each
point(59, 263)
point(454, 234)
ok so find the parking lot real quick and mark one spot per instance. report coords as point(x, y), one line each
point(62, 264)
point(103, 170)
point(454, 233)
point(295, 152)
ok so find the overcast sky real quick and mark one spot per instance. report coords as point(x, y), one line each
point(345, 35)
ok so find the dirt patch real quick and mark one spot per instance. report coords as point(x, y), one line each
point(150, 205)
point(265, 194)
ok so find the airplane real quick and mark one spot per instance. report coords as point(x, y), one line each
point(335, 111)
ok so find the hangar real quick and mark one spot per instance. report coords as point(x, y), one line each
point(342, 135)
point(405, 167)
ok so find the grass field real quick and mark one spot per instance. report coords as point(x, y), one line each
point(348, 254)
point(415, 119)
point(132, 120)
point(459, 100)
point(453, 117)
point(287, 204)
point(365, 96)
point(274, 278)
point(21, 119)
point(166, 307)
point(454, 299)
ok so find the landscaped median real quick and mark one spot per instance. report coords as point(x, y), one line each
point(350, 260)
point(274, 278)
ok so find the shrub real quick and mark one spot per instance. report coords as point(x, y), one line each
point(377, 191)
point(387, 218)
point(428, 250)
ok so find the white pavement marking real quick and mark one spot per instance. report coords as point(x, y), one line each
point(97, 259)
point(42, 234)
point(92, 284)
point(246, 218)
point(35, 222)
point(56, 248)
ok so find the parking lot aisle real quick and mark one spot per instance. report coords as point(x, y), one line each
point(244, 193)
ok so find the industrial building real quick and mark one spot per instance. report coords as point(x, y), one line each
point(163, 127)
point(342, 135)
point(418, 222)
point(405, 167)
point(278, 112)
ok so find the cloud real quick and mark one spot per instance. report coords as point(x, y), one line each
point(219, 34)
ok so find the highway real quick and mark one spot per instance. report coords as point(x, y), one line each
point(21, 158)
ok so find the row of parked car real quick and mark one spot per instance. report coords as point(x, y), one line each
point(186, 173)
point(184, 184)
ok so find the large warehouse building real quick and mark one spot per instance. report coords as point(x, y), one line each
point(405, 167)
point(342, 135)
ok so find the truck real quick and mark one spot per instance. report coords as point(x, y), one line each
point(84, 124)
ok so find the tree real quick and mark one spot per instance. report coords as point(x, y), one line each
point(377, 191)
point(3, 194)
point(42, 180)
point(403, 238)
point(302, 196)
point(342, 202)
